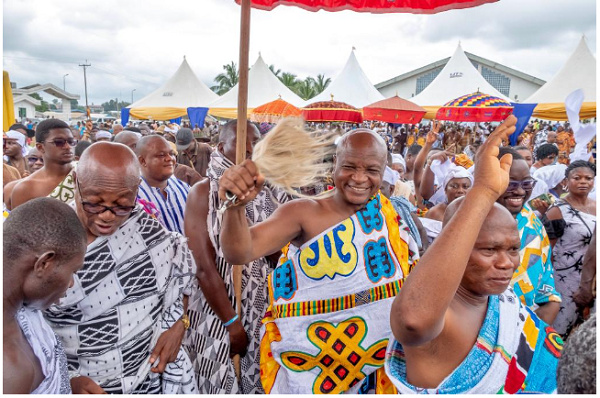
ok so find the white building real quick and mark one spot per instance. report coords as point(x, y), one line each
point(25, 104)
point(511, 83)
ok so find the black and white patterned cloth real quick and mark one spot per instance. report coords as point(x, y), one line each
point(207, 339)
point(128, 292)
point(568, 261)
point(49, 351)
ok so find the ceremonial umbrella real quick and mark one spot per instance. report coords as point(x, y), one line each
point(476, 107)
point(274, 111)
point(331, 111)
point(8, 109)
point(394, 110)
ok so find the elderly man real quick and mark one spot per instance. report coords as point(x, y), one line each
point(159, 185)
point(123, 320)
point(129, 138)
point(191, 152)
point(533, 281)
point(461, 331)
point(216, 332)
point(327, 325)
point(15, 151)
point(55, 141)
point(44, 244)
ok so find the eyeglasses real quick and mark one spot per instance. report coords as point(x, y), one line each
point(527, 185)
point(34, 159)
point(94, 208)
point(60, 142)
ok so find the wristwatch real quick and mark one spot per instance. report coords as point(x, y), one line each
point(186, 321)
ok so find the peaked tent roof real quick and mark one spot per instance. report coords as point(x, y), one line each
point(351, 86)
point(459, 77)
point(263, 87)
point(579, 72)
point(181, 91)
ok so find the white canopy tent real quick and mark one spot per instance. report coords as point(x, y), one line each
point(458, 77)
point(171, 100)
point(578, 72)
point(351, 86)
point(263, 87)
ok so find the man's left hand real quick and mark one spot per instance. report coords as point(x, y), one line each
point(167, 347)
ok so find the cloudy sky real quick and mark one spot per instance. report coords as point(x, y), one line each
point(138, 44)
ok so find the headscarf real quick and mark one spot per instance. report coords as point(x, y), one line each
point(398, 159)
point(390, 176)
point(552, 175)
point(445, 172)
point(17, 135)
point(103, 134)
point(456, 172)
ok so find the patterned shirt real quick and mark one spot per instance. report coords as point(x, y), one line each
point(172, 207)
point(533, 281)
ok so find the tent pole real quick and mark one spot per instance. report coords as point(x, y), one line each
point(240, 151)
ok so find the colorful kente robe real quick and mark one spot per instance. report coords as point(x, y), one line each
point(65, 190)
point(327, 325)
point(515, 352)
point(533, 281)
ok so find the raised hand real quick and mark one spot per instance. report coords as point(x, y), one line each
point(491, 173)
point(242, 180)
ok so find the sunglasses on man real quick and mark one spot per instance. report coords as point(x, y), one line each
point(60, 142)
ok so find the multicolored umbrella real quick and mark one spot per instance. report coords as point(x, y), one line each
point(476, 107)
point(394, 110)
point(331, 111)
point(274, 111)
point(373, 6)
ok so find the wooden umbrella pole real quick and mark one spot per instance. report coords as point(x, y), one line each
point(240, 151)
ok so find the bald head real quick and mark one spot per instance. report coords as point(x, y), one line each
point(108, 160)
point(498, 213)
point(362, 140)
point(229, 131)
point(128, 138)
point(146, 142)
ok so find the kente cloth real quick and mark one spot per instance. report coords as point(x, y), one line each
point(533, 281)
point(65, 190)
point(128, 292)
point(404, 209)
point(515, 352)
point(49, 351)
point(568, 261)
point(172, 208)
point(327, 325)
point(207, 339)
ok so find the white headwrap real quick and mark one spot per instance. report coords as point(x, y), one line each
point(445, 172)
point(103, 134)
point(17, 135)
point(552, 175)
point(398, 159)
point(456, 172)
point(390, 176)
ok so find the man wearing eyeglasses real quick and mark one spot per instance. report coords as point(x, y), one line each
point(533, 281)
point(123, 321)
point(55, 142)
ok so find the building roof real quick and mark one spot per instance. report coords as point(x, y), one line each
point(578, 72)
point(26, 98)
point(351, 86)
point(48, 88)
point(471, 57)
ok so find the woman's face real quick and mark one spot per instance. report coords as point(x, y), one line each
point(581, 181)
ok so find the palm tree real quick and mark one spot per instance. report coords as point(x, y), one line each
point(288, 79)
point(275, 72)
point(321, 83)
point(226, 80)
point(306, 88)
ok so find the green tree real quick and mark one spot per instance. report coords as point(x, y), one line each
point(275, 72)
point(43, 107)
point(321, 83)
point(306, 88)
point(226, 80)
point(289, 80)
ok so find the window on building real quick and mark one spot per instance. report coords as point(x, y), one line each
point(426, 79)
point(22, 113)
point(497, 80)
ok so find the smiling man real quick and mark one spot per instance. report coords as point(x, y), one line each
point(55, 142)
point(327, 324)
point(159, 185)
point(123, 320)
point(533, 281)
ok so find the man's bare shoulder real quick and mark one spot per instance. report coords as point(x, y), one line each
point(18, 373)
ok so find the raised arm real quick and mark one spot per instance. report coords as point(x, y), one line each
point(422, 156)
point(419, 310)
point(240, 243)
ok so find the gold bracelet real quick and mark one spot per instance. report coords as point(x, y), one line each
point(186, 321)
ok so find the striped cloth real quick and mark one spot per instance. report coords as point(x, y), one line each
point(172, 207)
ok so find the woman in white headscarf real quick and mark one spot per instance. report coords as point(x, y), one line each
point(456, 184)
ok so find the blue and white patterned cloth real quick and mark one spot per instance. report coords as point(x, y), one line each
point(172, 207)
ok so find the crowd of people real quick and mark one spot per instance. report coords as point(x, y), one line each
point(432, 258)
